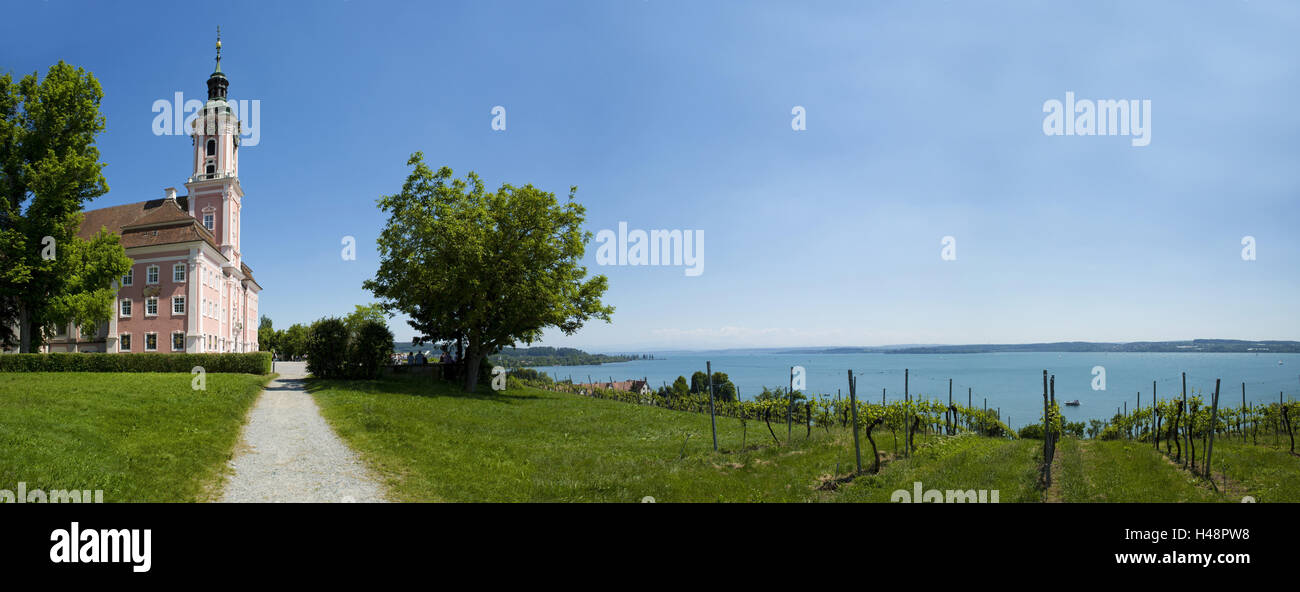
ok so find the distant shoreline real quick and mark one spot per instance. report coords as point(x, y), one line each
point(1193, 346)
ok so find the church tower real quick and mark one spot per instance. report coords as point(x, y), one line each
point(215, 196)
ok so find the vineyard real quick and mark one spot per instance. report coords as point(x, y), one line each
point(910, 417)
point(1183, 448)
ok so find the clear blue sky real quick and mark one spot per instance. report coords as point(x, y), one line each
point(924, 120)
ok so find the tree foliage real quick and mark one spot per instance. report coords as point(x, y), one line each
point(363, 314)
point(49, 170)
point(482, 269)
point(266, 334)
point(327, 348)
point(369, 348)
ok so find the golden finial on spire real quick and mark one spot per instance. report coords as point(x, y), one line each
point(218, 68)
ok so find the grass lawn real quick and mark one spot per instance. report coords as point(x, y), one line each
point(140, 437)
point(1124, 471)
point(432, 443)
point(960, 463)
point(1268, 474)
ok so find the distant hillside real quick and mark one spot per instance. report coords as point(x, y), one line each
point(536, 356)
point(558, 356)
point(1195, 345)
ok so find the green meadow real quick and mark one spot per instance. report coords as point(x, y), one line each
point(139, 437)
point(150, 437)
point(431, 442)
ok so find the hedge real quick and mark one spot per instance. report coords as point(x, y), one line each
point(245, 363)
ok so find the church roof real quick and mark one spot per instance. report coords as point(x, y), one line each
point(148, 223)
point(248, 273)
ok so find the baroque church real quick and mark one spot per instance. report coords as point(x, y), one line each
point(188, 288)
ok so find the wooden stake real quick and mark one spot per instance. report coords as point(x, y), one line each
point(1214, 416)
point(789, 409)
point(853, 405)
point(713, 420)
point(907, 417)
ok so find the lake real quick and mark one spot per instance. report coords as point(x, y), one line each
point(1011, 381)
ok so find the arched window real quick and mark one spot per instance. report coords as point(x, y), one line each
point(212, 147)
point(211, 169)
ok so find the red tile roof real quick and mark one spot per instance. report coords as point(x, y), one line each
point(115, 217)
point(149, 223)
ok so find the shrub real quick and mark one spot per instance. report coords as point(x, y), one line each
point(369, 349)
point(1032, 431)
point(243, 363)
point(327, 348)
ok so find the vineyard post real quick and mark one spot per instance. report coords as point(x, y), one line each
point(853, 405)
point(1051, 435)
point(1124, 415)
point(1137, 411)
point(1187, 430)
point(1214, 416)
point(1047, 475)
point(1155, 402)
point(789, 409)
point(713, 420)
point(907, 416)
point(947, 428)
point(969, 407)
point(1243, 412)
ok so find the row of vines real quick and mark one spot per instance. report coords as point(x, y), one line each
point(1185, 427)
point(910, 418)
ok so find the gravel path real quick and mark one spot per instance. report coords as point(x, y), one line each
point(288, 453)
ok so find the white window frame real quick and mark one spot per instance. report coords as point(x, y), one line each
point(179, 267)
point(146, 342)
point(174, 334)
point(124, 342)
point(129, 278)
point(152, 272)
point(210, 221)
point(124, 307)
point(148, 301)
point(178, 300)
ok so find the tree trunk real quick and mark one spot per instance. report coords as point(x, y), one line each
point(24, 331)
point(471, 365)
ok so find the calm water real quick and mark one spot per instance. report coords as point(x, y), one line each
point(1012, 381)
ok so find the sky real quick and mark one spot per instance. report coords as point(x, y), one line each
point(921, 120)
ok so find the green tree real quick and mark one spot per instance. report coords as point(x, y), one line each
point(266, 334)
point(699, 383)
point(680, 388)
point(327, 349)
point(364, 313)
point(483, 270)
point(369, 348)
point(723, 388)
point(49, 170)
point(293, 341)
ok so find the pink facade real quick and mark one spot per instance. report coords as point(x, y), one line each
point(188, 289)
